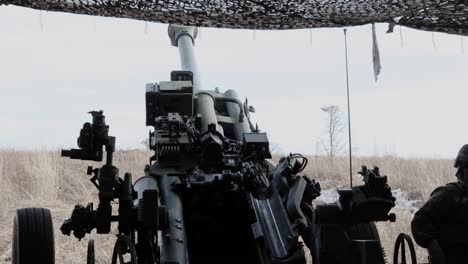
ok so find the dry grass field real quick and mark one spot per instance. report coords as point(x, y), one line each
point(44, 179)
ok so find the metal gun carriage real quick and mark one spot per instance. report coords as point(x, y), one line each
point(210, 193)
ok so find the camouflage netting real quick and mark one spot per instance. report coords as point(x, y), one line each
point(449, 16)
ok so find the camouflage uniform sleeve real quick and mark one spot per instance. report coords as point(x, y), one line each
point(427, 220)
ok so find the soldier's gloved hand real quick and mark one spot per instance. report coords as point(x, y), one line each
point(436, 255)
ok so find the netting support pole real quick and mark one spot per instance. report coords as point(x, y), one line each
point(349, 112)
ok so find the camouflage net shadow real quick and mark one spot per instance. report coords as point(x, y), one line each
point(449, 16)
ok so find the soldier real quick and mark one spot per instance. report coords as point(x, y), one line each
point(441, 225)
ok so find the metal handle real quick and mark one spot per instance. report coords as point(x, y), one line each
point(400, 243)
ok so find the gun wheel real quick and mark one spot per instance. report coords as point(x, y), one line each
point(124, 251)
point(33, 237)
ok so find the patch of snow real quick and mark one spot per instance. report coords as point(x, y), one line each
point(327, 196)
point(403, 201)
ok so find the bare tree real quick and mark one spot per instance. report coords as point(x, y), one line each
point(146, 143)
point(334, 143)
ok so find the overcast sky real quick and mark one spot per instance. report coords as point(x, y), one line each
point(55, 67)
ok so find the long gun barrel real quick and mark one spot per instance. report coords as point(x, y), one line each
point(184, 38)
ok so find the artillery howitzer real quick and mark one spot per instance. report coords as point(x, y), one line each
point(210, 194)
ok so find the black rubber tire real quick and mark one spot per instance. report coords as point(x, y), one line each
point(33, 237)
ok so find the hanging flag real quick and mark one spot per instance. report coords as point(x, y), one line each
point(434, 42)
point(41, 24)
point(375, 54)
point(462, 46)
point(401, 38)
point(310, 36)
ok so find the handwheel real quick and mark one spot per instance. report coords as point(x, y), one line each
point(33, 237)
point(90, 257)
point(400, 243)
point(124, 249)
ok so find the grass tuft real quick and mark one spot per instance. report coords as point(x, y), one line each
point(44, 179)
